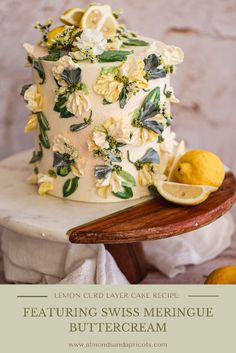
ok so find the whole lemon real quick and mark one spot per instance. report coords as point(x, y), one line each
point(199, 167)
point(223, 275)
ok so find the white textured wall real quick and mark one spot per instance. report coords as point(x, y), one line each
point(205, 83)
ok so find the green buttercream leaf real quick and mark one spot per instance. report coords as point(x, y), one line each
point(37, 65)
point(135, 42)
point(44, 138)
point(64, 171)
point(54, 55)
point(151, 156)
point(152, 63)
point(109, 70)
point(43, 122)
point(113, 56)
point(126, 193)
point(102, 171)
point(72, 77)
point(60, 106)
point(127, 178)
point(70, 186)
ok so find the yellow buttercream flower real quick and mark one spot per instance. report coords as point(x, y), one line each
point(44, 188)
point(107, 86)
point(34, 99)
point(32, 123)
point(141, 136)
point(46, 184)
point(149, 174)
point(78, 103)
point(112, 183)
point(133, 69)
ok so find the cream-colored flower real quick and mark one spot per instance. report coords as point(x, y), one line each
point(63, 145)
point(133, 69)
point(118, 129)
point(170, 143)
point(141, 136)
point(64, 63)
point(107, 86)
point(91, 39)
point(114, 45)
point(172, 55)
point(112, 183)
point(34, 99)
point(32, 123)
point(149, 174)
point(29, 53)
point(29, 48)
point(78, 55)
point(78, 103)
point(46, 184)
point(171, 95)
point(78, 167)
point(98, 139)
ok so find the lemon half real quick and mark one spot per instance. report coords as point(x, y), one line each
point(184, 194)
point(72, 17)
point(101, 18)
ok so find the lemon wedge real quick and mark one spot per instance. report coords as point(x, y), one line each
point(101, 18)
point(72, 17)
point(184, 194)
point(52, 35)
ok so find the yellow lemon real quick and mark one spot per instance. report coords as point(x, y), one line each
point(52, 35)
point(199, 167)
point(184, 194)
point(72, 17)
point(100, 17)
point(223, 275)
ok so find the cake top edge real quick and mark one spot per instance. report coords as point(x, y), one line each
point(94, 35)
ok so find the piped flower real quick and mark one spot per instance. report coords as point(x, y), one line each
point(46, 184)
point(91, 40)
point(64, 63)
point(117, 128)
point(172, 55)
point(32, 123)
point(78, 103)
point(107, 86)
point(112, 183)
point(34, 99)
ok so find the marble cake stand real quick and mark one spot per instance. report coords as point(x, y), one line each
point(120, 226)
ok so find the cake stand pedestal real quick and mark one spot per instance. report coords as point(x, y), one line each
point(120, 226)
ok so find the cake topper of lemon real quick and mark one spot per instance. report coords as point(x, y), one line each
point(99, 17)
point(52, 35)
point(199, 167)
point(222, 275)
point(72, 17)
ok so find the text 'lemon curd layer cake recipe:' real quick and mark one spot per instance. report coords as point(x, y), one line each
point(99, 106)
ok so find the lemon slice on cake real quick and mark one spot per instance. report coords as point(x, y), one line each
point(52, 35)
point(184, 194)
point(101, 18)
point(72, 17)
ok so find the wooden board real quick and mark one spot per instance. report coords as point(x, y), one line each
point(156, 219)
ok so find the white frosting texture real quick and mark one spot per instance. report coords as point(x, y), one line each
point(105, 124)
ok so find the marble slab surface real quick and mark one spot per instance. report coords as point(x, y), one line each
point(24, 211)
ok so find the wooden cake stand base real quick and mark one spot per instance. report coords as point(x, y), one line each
point(152, 220)
point(120, 226)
